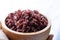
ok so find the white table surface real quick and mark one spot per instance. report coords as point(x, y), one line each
point(51, 8)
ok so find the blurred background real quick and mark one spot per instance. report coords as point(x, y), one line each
point(51, 8)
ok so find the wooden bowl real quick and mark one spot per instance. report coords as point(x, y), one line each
point(39, 35)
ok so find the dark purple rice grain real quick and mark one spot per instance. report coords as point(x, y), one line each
point(26, 21)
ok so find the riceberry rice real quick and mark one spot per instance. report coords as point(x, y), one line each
point(26, 21)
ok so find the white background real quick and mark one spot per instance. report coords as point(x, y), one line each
point(51, 8)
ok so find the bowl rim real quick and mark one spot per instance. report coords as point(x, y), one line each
point(32, 33)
